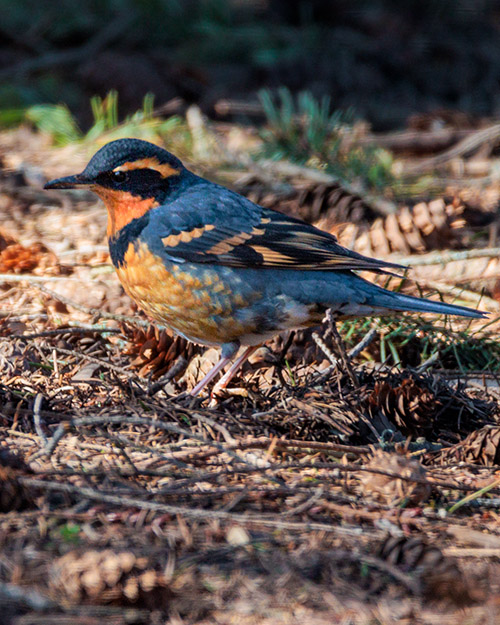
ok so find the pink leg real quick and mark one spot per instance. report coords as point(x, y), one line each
point(209, 377)
point(233, 369)
point(229, 350)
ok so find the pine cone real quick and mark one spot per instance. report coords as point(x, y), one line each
point(439, 576)
point(16, 258)
point(312, 202)
point(103, 577)
point(410, 553)
point(91, 343)
point(481, 203)
point(480, 447)
point(156, 350)
point(426, 226)
point(394, 490)
point(410, 407)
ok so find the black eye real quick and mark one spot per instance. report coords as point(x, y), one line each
point(118, 176)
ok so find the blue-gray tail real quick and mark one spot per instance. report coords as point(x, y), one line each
point(397, 301)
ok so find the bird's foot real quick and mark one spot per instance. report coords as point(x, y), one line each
point(219, 394)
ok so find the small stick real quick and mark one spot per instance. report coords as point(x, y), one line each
point(70, 330)
point(37, 418)
point(184, 511)
point(442, 258)
point(98, 361)
point(341, 347)
point(326, 350)
point(48, 450)
point(369, 337)
point(348, 366)
point(28, 277)
point(467, 144)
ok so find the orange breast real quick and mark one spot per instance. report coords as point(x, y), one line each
point(193, 301)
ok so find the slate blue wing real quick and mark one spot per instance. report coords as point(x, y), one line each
point(214, 225)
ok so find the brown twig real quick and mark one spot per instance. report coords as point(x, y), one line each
point(70, 330)
point(413, 140)
point(63, 428)
point(182, 511)
point(35, 280)
point(467, 144)
point(97, 361)
point(322, 376)
point(442, 258)
point(37, 417)
point(176, 369)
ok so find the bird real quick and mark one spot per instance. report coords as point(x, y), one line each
point(219, 269)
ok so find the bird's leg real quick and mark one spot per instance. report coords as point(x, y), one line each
point(233, 369)
point(229, 350)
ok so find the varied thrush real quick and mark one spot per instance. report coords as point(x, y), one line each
point(219, 269)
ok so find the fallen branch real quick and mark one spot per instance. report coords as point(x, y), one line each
point(399, 141)
point(442, 258)
point(182, 511)
point(65, 427)
point(466, 145)
point(413, 140)
point(264, 443)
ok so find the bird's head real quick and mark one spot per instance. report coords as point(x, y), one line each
point(131, 177)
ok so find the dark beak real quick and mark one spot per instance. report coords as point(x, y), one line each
point(68, 182)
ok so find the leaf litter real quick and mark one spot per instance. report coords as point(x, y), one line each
point(314, 493)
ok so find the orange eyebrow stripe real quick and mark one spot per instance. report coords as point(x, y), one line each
point(149, 163)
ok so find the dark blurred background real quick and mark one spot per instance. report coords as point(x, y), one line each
point(386, 58)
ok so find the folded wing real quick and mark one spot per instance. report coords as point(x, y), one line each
point(260, 238)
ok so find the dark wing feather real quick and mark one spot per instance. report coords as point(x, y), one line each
point(236, 233)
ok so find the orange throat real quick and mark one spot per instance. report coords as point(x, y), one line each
point(122, 207)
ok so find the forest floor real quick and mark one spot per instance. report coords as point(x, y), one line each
point(324, 488)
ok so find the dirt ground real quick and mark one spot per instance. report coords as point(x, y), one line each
point(324, 488)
